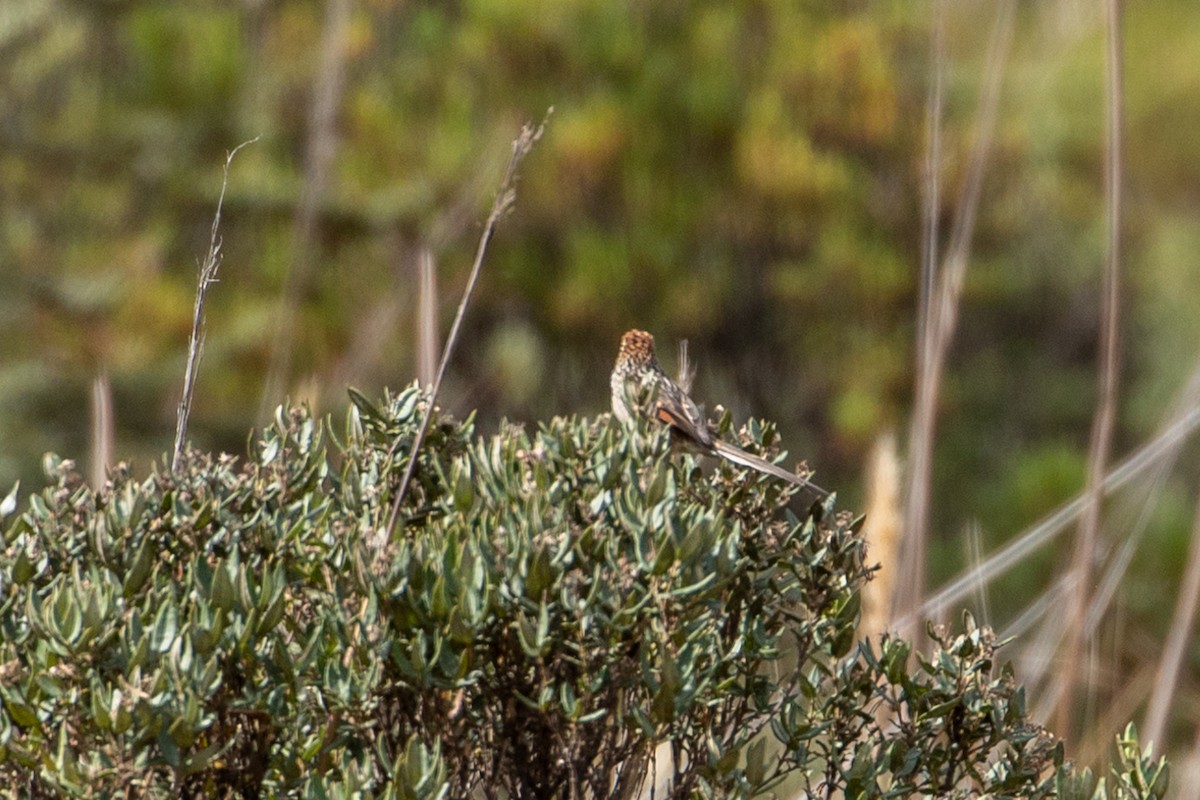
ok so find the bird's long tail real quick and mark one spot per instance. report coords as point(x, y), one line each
point(737, 455)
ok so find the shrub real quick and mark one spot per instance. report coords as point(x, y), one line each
point(555, 605)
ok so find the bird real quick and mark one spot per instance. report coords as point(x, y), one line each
point(640, 387)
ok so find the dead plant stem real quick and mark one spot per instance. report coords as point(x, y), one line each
point(505, 196)
point(1105, 416)
point(207, 277)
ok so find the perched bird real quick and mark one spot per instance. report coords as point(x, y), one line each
point(639, 386)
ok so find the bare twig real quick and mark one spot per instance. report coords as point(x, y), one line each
point(503, 201)
point(1105, 416)
point(207, 277)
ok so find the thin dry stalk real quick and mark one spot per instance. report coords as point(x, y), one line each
point(102, 429)
point(427, 341)
point(1155, 726)
point(505, 196)
point(973, 542)
point(1104, 420)
point(931, 201)
point(882, 534)
point(1037, 650)
point(207, 277)
point(1188, 772)
point(1094, 613)
point(1037, 656)
point(942, 318)
point(322, 147)
point(1162, 448)
point(1129, 692)
point(911, 566)
point(1053, 631)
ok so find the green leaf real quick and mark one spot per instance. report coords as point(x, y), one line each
point(9, 504)
point(540, 574)
point(756, 770)
point(165, 628)
point(139, 571)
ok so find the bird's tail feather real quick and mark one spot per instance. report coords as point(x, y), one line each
point(687, 370)
point(737, 455)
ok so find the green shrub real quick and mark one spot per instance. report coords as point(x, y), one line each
point(554, 606)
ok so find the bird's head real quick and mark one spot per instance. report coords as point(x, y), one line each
point(637, 349)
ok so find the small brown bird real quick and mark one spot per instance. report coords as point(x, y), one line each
point(637, 377)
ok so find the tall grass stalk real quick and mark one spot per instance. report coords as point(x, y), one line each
point(1105, 416)
point(427, 327)
point(1162, 448)
point(328, 87)
point(102, 426)
point(1188, 771)
point(973, 544)
point(503, 201)
point(882, 534)
point(1180, 633)
point(910, 566)
point(1129, 690)
point(207, 277)
point(941, 322)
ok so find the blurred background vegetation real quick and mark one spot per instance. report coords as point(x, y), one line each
point(746, 175)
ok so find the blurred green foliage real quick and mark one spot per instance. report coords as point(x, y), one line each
point(555, 606)
point(744, 174)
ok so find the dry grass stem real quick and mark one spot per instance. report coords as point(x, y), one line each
point(1095, 611)
point(882, 534)
point(1104, 420)
point(427, 327)
point(207, 277)
point(103, 435)
point(1180, 633)
point(328, 86)
point(911, 565)
point(973, 543)
point(1128, 692)
point(1188, 771)
point(941, 319)
point(1163, 448)
point(1038, 656)
point(931, 200)
point(503, 201)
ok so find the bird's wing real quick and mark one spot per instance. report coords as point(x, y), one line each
point(678, 410)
